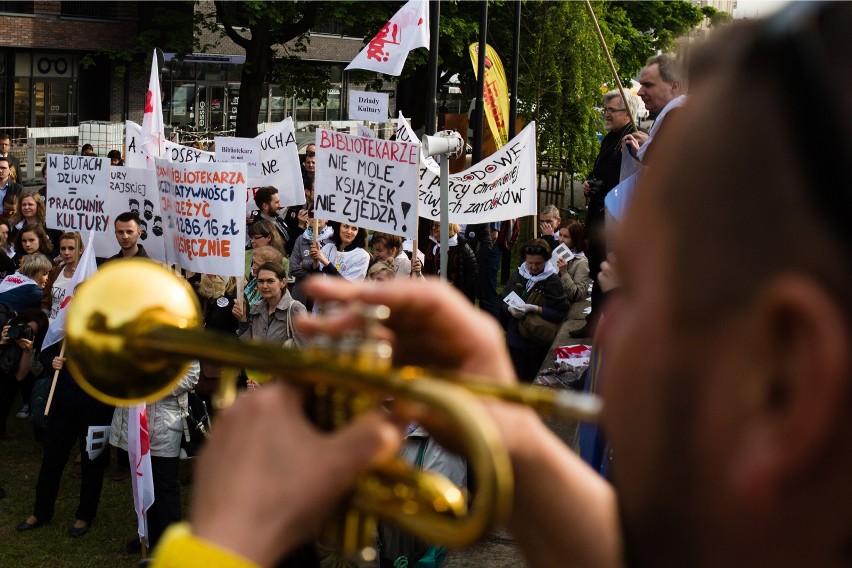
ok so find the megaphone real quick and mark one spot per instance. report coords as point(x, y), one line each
point(444, 142)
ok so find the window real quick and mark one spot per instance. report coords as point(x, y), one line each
point(85, 9)
point(16, 7)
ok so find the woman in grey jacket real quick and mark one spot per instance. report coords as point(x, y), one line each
point(165, 429)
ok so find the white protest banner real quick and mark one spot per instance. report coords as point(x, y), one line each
point(279, 163)
point(134, 189)
point(135, 155)
point(79, 189)
point(372, 107)
point(502, 186)
point(181, 154)
point(365, 132)
point(367, 182)
point(241, 150)
point(204, 209)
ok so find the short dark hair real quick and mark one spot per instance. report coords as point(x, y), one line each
point(5, 136)
point(263, 196)
point(6, 159)
point(128, 216)
point(576, 232)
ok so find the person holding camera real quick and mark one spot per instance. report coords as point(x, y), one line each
point(20, 343)
point(604, 176)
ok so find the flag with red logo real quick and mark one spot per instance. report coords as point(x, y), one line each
point(386, 53)
point(85, 268)
point(153, 134)
point(139, 451)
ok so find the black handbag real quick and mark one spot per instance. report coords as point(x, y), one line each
point(196, 426)
point(534, 327)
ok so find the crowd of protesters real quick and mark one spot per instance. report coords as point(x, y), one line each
point(283, 248)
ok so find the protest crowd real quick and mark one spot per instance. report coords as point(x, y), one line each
point(759, 432)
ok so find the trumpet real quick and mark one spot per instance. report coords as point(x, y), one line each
point(133, 327)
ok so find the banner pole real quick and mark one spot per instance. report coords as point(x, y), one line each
point(53, 383)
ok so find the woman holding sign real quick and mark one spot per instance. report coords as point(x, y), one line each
point(574, 272)
point(346, 255)
point(272, 319)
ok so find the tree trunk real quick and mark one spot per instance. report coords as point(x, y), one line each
point(255, 71)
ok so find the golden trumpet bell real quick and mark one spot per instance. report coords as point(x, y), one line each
point(109, 313)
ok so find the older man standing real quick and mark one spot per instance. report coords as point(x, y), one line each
point(603, 177)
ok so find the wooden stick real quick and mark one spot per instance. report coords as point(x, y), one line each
point(316, 230)
point(414, 256)
point(609, 59)
point(53, 383)
point(535, 226)
point(241, 288)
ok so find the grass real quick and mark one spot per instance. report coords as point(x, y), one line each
point(102, 547)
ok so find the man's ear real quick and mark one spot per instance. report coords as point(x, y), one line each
point(797, 390)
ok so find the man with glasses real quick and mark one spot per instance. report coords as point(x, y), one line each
point(603, 177)
point(7, 186)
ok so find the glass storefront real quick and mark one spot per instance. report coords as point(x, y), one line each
point(203, 96)
point(45, 89)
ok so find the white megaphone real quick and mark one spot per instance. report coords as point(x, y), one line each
point(442, 143)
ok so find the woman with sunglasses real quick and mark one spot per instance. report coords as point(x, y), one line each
point(263, 233)
point(536, 279)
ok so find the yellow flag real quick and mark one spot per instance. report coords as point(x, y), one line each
point(496, 94)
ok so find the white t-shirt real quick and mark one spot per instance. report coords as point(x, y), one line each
point(60, 286)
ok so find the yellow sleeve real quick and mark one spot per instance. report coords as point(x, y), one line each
point(179, 548)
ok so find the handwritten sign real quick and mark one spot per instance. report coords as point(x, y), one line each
point(367, 182)
point(134, 189)
point(204, 212)
point(502, 186)
point(279, 163)
point(79, 187)
point(364, 105)
point(241, 150)
point(135, 155)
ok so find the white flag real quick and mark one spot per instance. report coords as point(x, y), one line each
point(386, 53)
point(141, 476)
point(153, 134)
point(85, 268)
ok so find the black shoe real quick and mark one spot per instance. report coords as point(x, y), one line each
point(74, 532)
point(25, 526)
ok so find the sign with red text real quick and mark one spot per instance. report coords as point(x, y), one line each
point(134, 189)
point(203, 209)
point(502, 186)
point(367, 182)
point(79, 190)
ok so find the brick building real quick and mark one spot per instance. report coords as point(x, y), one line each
point(42, 81)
